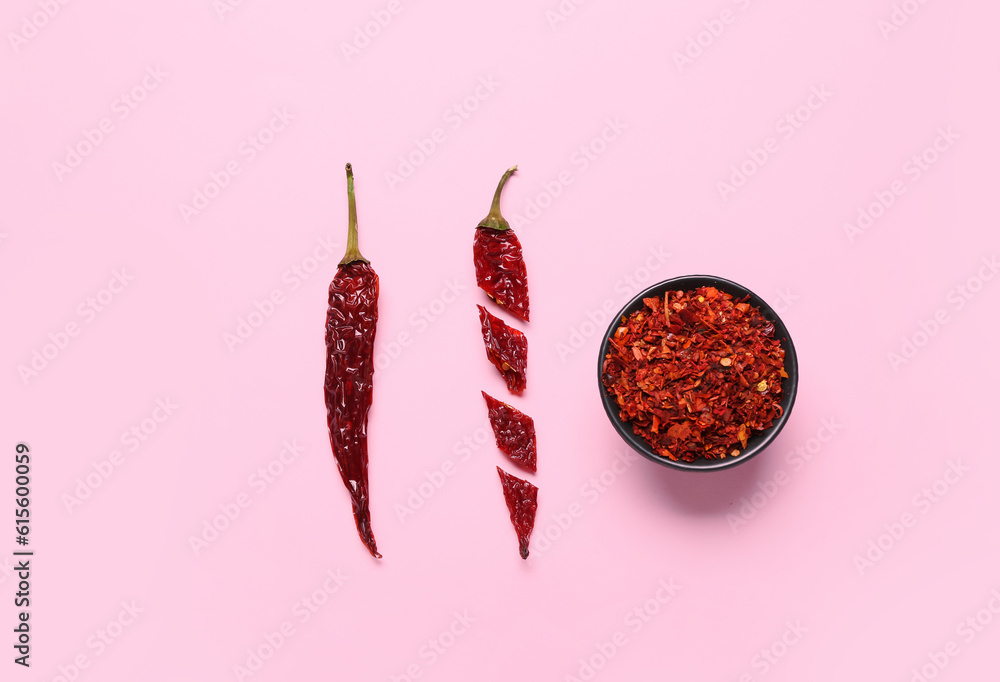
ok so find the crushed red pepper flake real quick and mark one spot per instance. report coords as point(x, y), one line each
point(695, 373)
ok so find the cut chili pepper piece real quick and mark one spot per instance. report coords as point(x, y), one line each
point(350, 342)
point(507, 349)
point(522, 503)
point(496, 251)
point(514, 431)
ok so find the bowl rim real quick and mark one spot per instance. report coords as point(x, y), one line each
point(760, 440)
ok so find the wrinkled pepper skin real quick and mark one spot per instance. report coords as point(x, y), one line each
point(522, 503)
point(506, 348)
point(514, 432)
point(500, 270)
point(350, 343)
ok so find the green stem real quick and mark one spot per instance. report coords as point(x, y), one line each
point(352, 255)
point(494, 220)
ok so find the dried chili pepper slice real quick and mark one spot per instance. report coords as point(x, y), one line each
point(514, 431)
point(350, 341)
point(522, 503)
point(507, 349)
point(496, 250)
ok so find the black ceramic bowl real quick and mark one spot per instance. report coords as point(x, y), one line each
point(759, 439)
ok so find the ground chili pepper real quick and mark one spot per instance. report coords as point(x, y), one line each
point(506, 348)
point(514, 432)
point(496, 250)
point(350, 342)
point(522, 503)
point(695, 373)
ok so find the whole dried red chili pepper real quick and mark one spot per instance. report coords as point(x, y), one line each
point(514, 432)
point(496, 251)
point(350, 342)
point(522, 503)
point(506, 348)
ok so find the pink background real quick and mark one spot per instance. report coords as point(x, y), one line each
point(788, 577)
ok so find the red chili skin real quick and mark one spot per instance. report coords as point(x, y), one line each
point(500, 270)
point(514, 432)
point(350, 343)
point(506, 348)
point(522, 503)
point(496, 252)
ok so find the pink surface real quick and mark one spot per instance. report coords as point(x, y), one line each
point(212, 138)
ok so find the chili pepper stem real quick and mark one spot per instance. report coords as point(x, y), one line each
point(495, 220)
point(353, 254)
